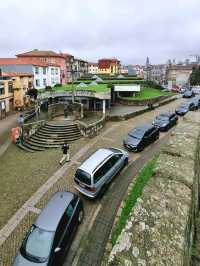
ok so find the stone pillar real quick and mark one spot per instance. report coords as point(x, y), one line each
point(104, 107)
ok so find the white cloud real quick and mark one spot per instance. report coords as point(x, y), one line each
point(128, 29)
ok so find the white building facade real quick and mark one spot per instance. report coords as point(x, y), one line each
point(93, 68)
point(46, 76)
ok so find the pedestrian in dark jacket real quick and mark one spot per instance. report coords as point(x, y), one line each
point(65, 150)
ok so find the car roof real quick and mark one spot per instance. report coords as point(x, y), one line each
point(53, 211)
point(142, 128)
point(165, 114)
point(95, 159)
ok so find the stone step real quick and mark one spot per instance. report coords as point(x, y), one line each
point(21, 146)
point(31, 147)
point(48, 131)
point(58, 124)
point(42, 145)
point(52, 141)
point(75, 136)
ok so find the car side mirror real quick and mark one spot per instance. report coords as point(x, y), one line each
point(56, 250)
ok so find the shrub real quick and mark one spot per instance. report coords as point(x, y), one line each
point(58, 85)
point(48, 88)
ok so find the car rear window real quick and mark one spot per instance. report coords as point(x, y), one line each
point(83, 176)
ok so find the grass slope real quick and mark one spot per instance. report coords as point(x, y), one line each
point(136, 191)
point(147, 93)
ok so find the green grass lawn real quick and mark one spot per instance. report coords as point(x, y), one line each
point(68, 87)
point(147, 93)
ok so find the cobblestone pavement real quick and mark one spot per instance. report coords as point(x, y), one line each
point(112, 135)
point(88, 246)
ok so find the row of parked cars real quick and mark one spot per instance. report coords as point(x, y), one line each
point(190, 105)
point(49, 238)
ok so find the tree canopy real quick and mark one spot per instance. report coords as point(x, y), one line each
point(195, 76)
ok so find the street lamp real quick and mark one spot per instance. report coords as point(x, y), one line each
point(72, 70)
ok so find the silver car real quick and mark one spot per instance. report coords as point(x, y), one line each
point(93, 176)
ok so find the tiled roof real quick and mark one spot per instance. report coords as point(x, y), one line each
point(180, 67)
point(24, 61)
point(17, 74)
point(39, 53)
point(107, 62)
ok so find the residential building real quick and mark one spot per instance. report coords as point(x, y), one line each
point(124, 70)
point(45, 73)
point(158, 73)
point(179, 75)
point(139, 70)
point(110, 66)
point(93, 68)
point(6, 95)
point(22, 82)
point(80, 68)
point(63, 60)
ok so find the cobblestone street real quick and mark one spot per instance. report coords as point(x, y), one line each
point(30, 177)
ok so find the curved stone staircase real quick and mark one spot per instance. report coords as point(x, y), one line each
point(51, 135)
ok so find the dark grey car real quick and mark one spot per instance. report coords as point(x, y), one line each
point(49, 238)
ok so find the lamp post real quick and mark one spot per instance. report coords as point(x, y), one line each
point(72, 71)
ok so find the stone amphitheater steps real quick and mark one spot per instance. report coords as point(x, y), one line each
point(52, 135)
point(31, 147)
point(22, 147)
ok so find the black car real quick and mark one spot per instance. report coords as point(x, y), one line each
point(140, 137)
point(196, 101)
point(185, 107)
point(165, 121)
point(49, 238)
point(188, 94)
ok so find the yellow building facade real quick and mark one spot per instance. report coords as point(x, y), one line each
point(6, 97)
point(109, 66)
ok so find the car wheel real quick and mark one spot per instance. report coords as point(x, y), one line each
point(80, 217)
point(102, 191)
point(125, 162)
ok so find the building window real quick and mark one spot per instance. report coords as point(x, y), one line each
point(44, 82)
point(36, 70)
point(52, 71)
point(56, 71)
point(10, 87)
point(44, 70)
point(2, 89)
point(52, 80)
point(37, 82)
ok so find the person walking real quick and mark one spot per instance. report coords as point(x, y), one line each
point(65, 150)
point(21, 120)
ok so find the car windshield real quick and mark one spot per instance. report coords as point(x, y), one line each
point(83, 176)
point(162, 118)
point(37, 245)
point(137, 133)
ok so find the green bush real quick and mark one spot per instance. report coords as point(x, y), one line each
point(58, 85)
point(48, 88)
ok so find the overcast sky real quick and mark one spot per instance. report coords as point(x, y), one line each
point(127, 29)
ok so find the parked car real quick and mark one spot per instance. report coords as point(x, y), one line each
point(49, 238)
point(140, 137)
point(185, 107)
point(196, 101)
point(94, 175)
point(188, 94)
point(165, 121)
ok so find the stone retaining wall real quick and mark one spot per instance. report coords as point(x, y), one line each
point(160, 230)
point(142, 102)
